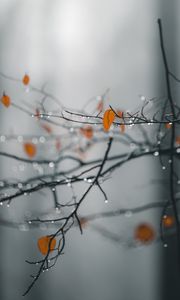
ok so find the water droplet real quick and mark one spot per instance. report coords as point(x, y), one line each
point(42, 139)
point(51, 164)
point(2, 138)
point(128, 214)
point(34, 140)
point(156, 153)
point(20, 138)
point(20, 185)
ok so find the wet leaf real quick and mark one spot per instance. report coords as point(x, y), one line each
point(120, 113)
point(108, 119)
point(178, 140)
point(144, 233)
point(168, 221)
point(45, 243)
point(87, 132)
point(30, 149)
point(6, 101)
point(168, 125)
point(26, 79)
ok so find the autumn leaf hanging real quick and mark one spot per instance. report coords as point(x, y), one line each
point(108, 119)
point(168, 221)
point(45, 244)
point(121, 115)
point(144, 233)
point(30, 149)
point(26, 79)
point(6, 101)
point(87, 132)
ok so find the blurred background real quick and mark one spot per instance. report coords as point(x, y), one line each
point(81, 48)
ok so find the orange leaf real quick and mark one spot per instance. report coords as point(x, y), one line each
point(47, 128)
point(26, 79)
point(6, 100)
point(168, 125)
point(144, 233)
point(108, 119)
point(168, 221)
point(45, 244)
point(87, 132)
point(178, 140)
point(30, 149)
point(120, 113)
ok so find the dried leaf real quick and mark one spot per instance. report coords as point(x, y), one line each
point(44, 243)
point(30, 149)
point(87, 132)
point(83, 222)
point(108, 119)
point(144, 233)
point(6, 100)
point(26, 79)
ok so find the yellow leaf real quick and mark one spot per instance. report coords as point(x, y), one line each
point(45, 244)
point(108, 119)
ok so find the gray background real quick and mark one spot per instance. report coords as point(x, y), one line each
point(81, 48)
